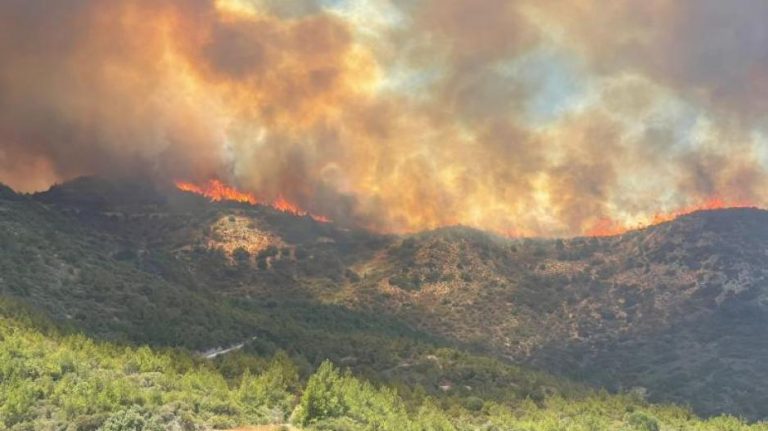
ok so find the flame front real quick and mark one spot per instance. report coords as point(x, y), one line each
point(710, 204)
point(609, 227)
point(217, 191)
point(286, 206)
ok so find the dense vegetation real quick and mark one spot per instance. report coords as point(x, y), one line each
point(51, 380)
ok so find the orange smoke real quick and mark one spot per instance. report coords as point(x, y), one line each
point(217, 191)
point(609, 227)
point(392, 116)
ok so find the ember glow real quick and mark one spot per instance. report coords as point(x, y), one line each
point(522, 117)
point(217, 191)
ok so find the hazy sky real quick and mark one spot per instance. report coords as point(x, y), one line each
point(530, 117)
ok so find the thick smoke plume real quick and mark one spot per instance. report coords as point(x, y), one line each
point(523, 117)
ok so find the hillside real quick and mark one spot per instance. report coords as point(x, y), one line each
point(673, 311)
point(51, 379)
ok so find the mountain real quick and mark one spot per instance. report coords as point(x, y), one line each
point(675, 309)
point(673, 312)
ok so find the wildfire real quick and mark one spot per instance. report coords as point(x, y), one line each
point(606, 227)
point(217, 191)
point(710, 204)
point(286, 206)
point(609, 227)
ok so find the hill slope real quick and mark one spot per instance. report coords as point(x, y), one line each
point(51, 380)
point(676, 309)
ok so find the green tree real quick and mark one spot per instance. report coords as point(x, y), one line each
point(322, 397)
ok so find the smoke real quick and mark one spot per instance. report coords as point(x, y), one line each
point(709, 51)
point(523, 117)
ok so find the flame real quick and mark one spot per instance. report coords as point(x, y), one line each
point(217, 191)
point(606, 227)
point(709, 204)
point(610, 227)
point(285, 206)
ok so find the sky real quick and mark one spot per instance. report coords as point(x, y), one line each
point(523, 117)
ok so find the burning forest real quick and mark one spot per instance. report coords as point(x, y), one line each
point(515, 117)
point(217, 191)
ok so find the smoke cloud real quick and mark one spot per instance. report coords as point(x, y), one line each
point(523, 117)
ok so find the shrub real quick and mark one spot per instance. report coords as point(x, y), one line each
point(641, 421)
point(131, 419)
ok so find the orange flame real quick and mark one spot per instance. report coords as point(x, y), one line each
point(709, 204)
point(610, 227)
point(217, 191)
point(606, 227)
point(285, 206)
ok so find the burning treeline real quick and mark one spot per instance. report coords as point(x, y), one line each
point(522, 117)
point(217, 191)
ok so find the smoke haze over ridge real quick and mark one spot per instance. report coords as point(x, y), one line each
point(522, 117)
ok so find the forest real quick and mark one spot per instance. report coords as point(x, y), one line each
point(57, 379)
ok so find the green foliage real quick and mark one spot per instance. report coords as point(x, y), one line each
point(271, 392)
point(333, 399)
point(431, 418)
point(641, 421)
point(322, 397)
point(53, 380)
point(474, 403)
point(48, 381)
point(17, 401)
point(130, 419)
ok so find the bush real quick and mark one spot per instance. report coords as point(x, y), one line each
point(18, 402)
point(132, 419)
point(643, 422)
point(474, 404)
